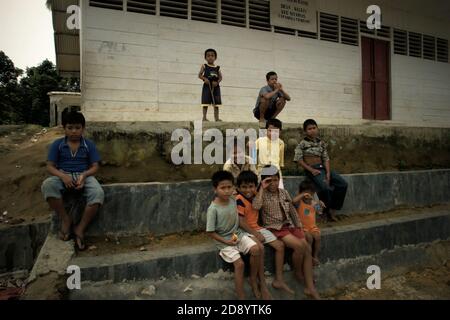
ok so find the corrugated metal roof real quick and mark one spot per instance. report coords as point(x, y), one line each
point(67, 42)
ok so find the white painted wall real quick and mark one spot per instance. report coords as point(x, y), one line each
point(139, 67)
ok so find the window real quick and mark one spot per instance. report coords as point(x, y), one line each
point(442, 50)
point(349, 31)
point(415, 44)
point(107, 4)
point(384, 32)
point(259, 14)
point(284, 30)
point(307, 34)
point(204, 10)
point(429, 47)
point(142, 6)
point(400, 42)
point(233, 13)
point(329, 30)
point(174, 8)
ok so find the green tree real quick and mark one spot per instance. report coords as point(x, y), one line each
point(34, 88)
point(10, 98)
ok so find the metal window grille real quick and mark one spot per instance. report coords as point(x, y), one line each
point(142, 6)
point(259, 14)
point(442, 50)
point(174, 8)
point(349, 31)
point(415, 44)
point(204, 10)
point(107, 4)
point(400, 42)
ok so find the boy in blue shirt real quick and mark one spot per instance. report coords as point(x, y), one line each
point(72, 162)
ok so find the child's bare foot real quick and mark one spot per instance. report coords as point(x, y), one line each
point(255, 290)
point(265, 293)
point(283, 286)
point(204, 119)
point(311, 294)
point(315, 262)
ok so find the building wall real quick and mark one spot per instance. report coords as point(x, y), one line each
point(142, 67)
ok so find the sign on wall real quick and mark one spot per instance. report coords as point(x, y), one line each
point(294, 14)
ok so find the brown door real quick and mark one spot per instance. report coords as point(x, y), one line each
point(375, 79)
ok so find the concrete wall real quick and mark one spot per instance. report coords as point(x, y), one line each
point(150, 207)
point(361, 240)
point(138, 67)
point(20, 245)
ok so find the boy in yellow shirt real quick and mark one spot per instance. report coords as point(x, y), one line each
point(270, 149)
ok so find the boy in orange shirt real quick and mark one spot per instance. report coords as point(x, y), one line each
point(248, 220)
point(307, 208)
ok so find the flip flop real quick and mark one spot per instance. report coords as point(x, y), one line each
point(79, 242)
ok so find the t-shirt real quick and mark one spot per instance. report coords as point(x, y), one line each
point(224, 221)
point(246, 210)
point(307, 216)
point(268, 153)
point(60, 154)
point(264, 90)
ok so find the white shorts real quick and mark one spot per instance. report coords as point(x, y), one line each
point(232, 253)
point(268, 235)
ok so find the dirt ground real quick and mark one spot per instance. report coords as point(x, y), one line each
point(424, 283)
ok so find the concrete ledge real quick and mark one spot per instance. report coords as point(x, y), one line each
point(331, 276)
point(164, 208)
point(338, 243)
point(20, 245)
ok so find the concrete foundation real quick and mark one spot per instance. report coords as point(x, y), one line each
point(139, 208)
point(344, 242)
point(20, 245)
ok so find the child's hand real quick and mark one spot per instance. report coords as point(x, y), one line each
point(260, 237)
point(265, 183)
point(215, 84)
point(206, 81)
point(315, 172)
point(68, 182)
point(80, 182)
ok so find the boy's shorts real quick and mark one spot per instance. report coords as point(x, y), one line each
point(268, 235)
point(270, 111)
point(232, 253)
point(53, 187)
point(286, 230)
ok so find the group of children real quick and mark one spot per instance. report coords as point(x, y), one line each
point(233, 222)
point(240, 221)
point(263, 212)
point(269, 103)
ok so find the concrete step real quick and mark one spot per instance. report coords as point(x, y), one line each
point(142, 208)
point(344, 242)
point(332, 277)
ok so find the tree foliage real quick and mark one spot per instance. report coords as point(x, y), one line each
point(25, 100)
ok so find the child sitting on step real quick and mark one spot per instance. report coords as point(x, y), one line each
point(222, 225)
